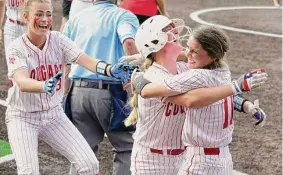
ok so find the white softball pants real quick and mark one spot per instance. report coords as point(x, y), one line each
point(54, 128)
point(143, 162)
point(196, 162)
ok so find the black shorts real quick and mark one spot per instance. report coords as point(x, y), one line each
point(66, 5)
point(142, 18)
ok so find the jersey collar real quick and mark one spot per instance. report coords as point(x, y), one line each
point(33, 47)
point(160, 67)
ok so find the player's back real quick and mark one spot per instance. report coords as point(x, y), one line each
point(159, 124)
point(210, 126)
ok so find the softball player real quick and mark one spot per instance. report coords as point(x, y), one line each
point(157, 139)
point(159, 125)
point(208, 129)
point(14, 25)
point(34, 101)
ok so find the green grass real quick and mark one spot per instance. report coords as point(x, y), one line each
point(5, 148)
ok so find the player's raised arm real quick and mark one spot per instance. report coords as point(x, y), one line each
point(121, 71)
point(72, 53)
point(196, 94)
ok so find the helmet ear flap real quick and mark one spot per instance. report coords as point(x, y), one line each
point(157, 43)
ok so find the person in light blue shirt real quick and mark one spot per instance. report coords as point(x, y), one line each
point(97, 103)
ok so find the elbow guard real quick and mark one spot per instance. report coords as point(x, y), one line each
point(239, 103)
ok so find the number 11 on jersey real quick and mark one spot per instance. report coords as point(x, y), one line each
point(228, 111)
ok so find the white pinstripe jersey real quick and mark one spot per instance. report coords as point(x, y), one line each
point(13, 9)
point(41, 65)
point(159, 124)
point(210, 126)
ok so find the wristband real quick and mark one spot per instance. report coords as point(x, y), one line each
point(101, 67)
point(239, 103)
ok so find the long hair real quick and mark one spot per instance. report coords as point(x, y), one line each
point(133, 117)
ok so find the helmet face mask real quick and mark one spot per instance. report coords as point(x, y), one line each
point(179, 33)
point(156, 31)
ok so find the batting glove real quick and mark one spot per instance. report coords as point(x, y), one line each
point(50, 85)
point(136, 60)
point(249, 81)
point(258, 114)
point(138, 81)
point(122, 71)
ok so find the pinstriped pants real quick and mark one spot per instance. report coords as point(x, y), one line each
point(144, 162)
point(195, 162)
point(54, 128)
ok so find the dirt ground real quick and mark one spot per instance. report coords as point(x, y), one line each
point(255, 152)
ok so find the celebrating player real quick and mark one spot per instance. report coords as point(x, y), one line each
point(34, 101)
point(208, 127)
point(14, 25)
point(157, 140)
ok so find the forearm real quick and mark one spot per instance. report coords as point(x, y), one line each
point(30, 85)
point(130, 47)
point(26, 84)
point(202, 97)
point(159, 89)
point(90, 63)
point(67, 80)
point(161, 6)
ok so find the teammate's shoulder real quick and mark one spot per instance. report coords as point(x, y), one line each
point(54, 32)
point(182, 66)
point(17, 43)
point(53, 35)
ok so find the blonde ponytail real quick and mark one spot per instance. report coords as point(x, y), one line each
point(147, 63)
point(133, 117)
